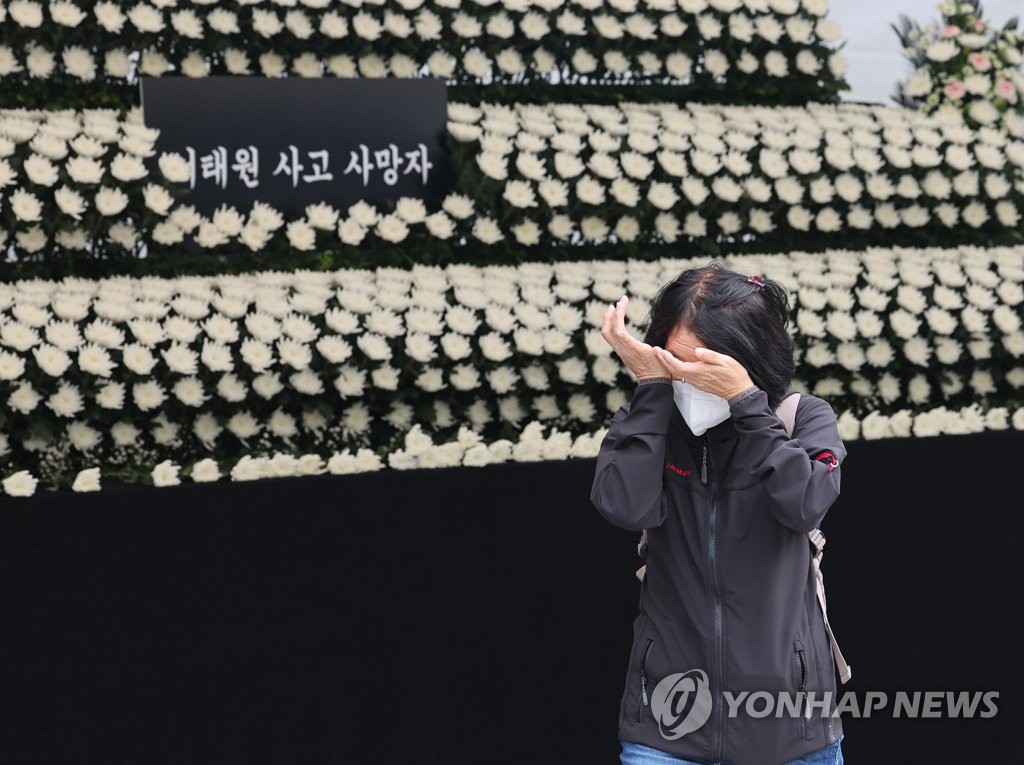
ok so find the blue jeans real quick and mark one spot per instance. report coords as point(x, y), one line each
point(638, 754)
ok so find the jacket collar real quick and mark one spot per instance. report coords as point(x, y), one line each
point(722, 432)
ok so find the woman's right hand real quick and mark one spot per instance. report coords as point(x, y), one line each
point(638, 356)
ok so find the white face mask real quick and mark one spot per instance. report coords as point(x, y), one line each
point(700, 409)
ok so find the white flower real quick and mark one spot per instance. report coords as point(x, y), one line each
point(20, 484)
point(109, 16)
point(440, 225)
point(487, 230)
point(206, 471)
point(181, 359)
point(554, 192)
point(572, 371)
point(127, 168)
point(95, 360)
point(266, 385)
point(51, 360)
point(206, 429)
point(250, 468)
point(25, 206)
point(455, 346)
point(526, 233)
point(230, 388)
point(166, 474)
point(174, 167)
point(257, 355)
point(494, 347)
point(67, 401)
point(209, 236)
point(519, 194)
point(124, 433)
point(26, 13)
point(904, 324)
point(458, 206)
point(301, 235)
point(148, 395)
point(775, 64)
point(583, 61)
point(918, 351)
point(351, 232)
point(880, 353)
point(295, 354)
point(39, 61)
point(87, 480)
point(40, 170)
point(111, 396)
point(189, 391)
point(243, 425)
point(392, 228)
point(942, 51)
point(109, 202)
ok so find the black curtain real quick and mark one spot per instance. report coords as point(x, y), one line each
point(474, 615)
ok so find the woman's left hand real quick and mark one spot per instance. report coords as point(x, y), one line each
point(712, 372)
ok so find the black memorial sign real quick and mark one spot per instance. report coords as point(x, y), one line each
point(293, 142)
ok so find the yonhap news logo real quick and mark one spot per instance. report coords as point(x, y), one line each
point(682, 703)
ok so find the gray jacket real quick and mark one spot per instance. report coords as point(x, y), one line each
point(729, 588)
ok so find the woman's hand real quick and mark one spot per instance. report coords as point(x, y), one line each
point(639, 357)
point(712, 372)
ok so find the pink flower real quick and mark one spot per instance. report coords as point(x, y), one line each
point(980, 62)
point(1005, 89)
point(979, 25)
point(951, 30)
point(955, 90)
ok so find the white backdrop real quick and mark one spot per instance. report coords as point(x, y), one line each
point(872, 48)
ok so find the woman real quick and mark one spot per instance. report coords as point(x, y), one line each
point(699, 459)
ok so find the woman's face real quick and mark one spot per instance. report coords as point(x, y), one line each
point(681, 343)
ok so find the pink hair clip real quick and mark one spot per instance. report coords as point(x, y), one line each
point(756, 280)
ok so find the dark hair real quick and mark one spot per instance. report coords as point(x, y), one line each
point(740, 316)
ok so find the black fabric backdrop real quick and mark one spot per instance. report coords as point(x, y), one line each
point(462, 615)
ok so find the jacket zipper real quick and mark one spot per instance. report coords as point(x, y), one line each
point(801, 666)
point(718, 660)
point(643, 701)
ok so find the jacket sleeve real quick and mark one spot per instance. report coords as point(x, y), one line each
point(628, 479)
point(800, 474)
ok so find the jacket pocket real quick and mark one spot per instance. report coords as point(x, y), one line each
point(800, 662)
point(643, 700)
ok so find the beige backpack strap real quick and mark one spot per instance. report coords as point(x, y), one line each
point(787, 413)
point(818, 540)
point(641, 550)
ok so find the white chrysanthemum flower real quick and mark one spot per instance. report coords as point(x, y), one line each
point(205, 471)
point(257, 355)
point(67, 401)
point(267, 385)
point(295, 354)
point(180, 359)
point(243, 426)
point(148, 395)
point(20, 484)
point(455, 346)
point(87, 480)
point(51, 360)
point(494, 347)
point(95, 360)
point(166, 474)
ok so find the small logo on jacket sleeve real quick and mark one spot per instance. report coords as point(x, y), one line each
point(829, 459)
